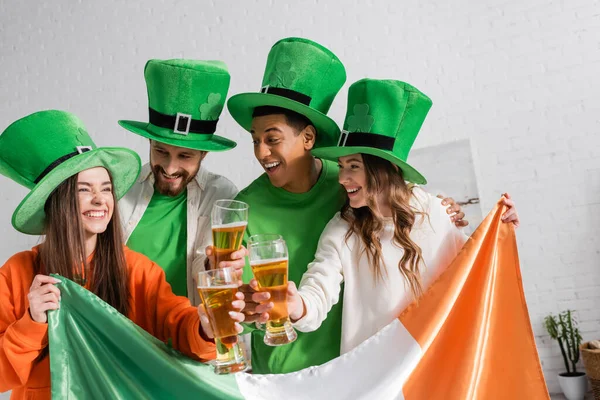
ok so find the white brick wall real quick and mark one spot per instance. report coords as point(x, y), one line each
point(517, 78)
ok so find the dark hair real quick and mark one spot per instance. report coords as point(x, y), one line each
point(367, 223)
point(293, 119)
point(63, 250)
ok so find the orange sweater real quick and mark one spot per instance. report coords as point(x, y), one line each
point(153, 307)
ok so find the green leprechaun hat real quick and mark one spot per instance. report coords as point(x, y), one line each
point(383, 119)
point(300, 76)
point(42, 150)
point(185, 100)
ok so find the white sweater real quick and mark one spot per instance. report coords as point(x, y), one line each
point(370, 304)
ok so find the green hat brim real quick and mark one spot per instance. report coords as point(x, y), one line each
point(123, 164)
point(215, 143)
point(332, 153)
point(241, 106)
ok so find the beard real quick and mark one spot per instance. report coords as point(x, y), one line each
point(168, 188)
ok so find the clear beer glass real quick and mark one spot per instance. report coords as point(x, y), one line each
point(229, 219)
point(269, 262)
point(217, 289)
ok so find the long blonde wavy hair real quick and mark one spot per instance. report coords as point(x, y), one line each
point(367, 222)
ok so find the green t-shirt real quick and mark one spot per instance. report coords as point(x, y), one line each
point(161, 236)
point(300, 218)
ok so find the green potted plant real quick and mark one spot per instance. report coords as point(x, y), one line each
point(562, 328)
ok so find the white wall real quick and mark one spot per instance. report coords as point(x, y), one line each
point(518, 78)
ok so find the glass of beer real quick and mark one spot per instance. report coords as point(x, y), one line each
point(229, 219)
point(217, 289)
point(269, 262)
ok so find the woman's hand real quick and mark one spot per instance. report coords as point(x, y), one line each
point(43, 296)
point(511, 214)
point(237, 316)
point(296, 307)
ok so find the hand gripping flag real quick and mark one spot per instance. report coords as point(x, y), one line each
point(469, 337)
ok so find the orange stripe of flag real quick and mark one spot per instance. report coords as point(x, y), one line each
point(473, 325)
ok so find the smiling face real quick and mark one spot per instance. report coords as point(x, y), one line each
point(281, 149)
point(96, 200)
point(370, 181)
point(173, 167)
point(353, 177)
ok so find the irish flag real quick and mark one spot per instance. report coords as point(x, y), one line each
point(469, 337)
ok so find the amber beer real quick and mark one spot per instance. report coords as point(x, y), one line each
point(217, 289)
point(227, 239)
point(217, 302)
point(269, 262)
point(229, 219)
point(271, 276)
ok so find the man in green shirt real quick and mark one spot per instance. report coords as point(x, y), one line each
point(166, 214)
point(298, 194)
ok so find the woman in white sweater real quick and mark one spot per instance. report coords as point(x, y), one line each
point(391, 239)
point(387, 248)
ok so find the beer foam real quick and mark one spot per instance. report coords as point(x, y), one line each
point(228, 286)
point(269, 261)
point(231, 225)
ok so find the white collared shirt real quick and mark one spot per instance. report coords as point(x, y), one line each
point(202, 192)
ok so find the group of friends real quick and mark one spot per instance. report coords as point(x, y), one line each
point(360, 232)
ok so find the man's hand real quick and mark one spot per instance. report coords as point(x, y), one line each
point(257, 309)
point(257, 303)
point(237, 257)
point(454, 210)
point(237, 316)
point(511, 214)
